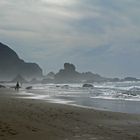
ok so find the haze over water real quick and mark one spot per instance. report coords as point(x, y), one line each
point(117, 96)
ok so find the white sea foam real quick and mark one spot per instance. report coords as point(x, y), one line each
point(103, 95)
point(106, 90)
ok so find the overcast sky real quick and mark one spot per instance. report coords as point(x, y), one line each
point(102, 36)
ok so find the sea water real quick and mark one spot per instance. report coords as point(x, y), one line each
point(111, 96)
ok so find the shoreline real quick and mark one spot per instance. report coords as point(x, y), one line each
point(111, 105)
point(36, 119)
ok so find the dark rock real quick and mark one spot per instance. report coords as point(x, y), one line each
point(28, 88)
point(90, 77)
point(1, 86)
point(69, 67)
point(11, 65)
point(88, 85)
point(65, 86)
point(68, 74)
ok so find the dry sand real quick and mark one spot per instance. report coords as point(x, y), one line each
point(28, 119)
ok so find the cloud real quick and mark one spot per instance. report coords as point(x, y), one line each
point(79, 31)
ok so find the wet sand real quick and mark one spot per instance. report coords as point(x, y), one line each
point(30, 119)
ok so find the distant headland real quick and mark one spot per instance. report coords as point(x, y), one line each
point(11, 65)
point(69, 75)
point(13, 68)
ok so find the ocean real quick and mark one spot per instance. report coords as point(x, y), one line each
point(110, 96)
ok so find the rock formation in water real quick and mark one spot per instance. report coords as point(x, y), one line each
point(70, 75)
point(11, 65)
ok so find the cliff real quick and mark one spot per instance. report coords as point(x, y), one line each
point(11, 65)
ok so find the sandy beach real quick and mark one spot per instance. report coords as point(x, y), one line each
point(30, 119)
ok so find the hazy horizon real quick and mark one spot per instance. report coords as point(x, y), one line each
point(97, 36)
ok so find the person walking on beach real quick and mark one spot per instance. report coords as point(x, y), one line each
point(17, 86)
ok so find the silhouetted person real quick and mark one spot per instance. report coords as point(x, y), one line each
point(17, 86)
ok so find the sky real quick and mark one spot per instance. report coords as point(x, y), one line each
point(101, 36)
